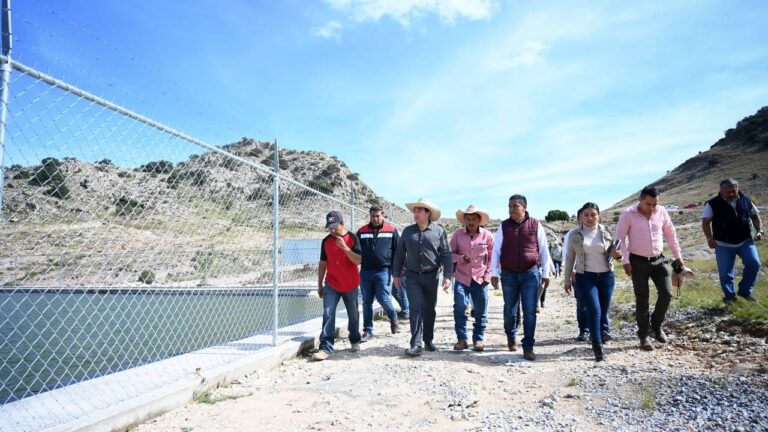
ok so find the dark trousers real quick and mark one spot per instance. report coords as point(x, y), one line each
point(422, 296)
point(661, 275)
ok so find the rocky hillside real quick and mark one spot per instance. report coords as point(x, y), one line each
point(70, 187)
point(208, 218)
point(742, 154)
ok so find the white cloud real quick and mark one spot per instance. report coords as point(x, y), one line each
point(406, 11)
point(331, 30)
point(528, 55)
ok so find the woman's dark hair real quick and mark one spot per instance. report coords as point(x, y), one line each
point(590, 205)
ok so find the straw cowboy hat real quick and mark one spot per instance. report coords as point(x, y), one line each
point(434, 211)
point(484, 216)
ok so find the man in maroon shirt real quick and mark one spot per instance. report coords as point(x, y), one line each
point(338, 278)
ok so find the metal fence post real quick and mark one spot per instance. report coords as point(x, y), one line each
point(275, 244)
point(352, 206)
point(5, 77)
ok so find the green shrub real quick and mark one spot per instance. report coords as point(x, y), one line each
point(22, 175)
point(330, 170)
point(104, 162)
point(320, 186)
point(128, 207)
point(58, 191)
point(556, 215)
point(159, 167)
point(353, 177)
point(196, 178)
point(147, 277)
point(281, 162)
point(48, 173)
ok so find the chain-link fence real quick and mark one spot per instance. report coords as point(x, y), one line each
point(125, 244)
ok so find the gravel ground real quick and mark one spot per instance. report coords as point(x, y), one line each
point(674, 388)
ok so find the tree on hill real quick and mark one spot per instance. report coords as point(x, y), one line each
point(556, 215)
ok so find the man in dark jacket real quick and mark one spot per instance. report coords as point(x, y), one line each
point(424, 254)
point(378, 241)
point(726, 226)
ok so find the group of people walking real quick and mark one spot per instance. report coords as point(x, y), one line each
point(422, 259)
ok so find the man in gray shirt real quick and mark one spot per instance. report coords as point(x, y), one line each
point(422, 250)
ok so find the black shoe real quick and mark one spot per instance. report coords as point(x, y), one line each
point(749, 297)
point(394, 326)
point(607, 337)
point(659, 335)
point(582, 337)
point(598, 350)
point(413, 351)
point(429, 346)
point(403, 315)
point(365, 337)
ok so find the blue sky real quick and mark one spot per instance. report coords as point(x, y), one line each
point(456, 101)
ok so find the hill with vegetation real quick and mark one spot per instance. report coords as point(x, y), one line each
point(741, 154)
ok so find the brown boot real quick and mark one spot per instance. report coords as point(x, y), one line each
point(528, 354)
point(460, 345)
point(512, 344)
point(645, 343)
point(479, 347)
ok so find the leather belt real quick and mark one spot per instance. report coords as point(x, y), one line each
point(649, 259)
point(423, 271)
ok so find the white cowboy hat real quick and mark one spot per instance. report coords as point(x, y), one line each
point(484, 216)
point(434, 211)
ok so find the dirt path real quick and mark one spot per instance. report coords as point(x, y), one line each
point(564, 389)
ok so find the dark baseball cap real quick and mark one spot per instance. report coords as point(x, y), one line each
point(333, 219)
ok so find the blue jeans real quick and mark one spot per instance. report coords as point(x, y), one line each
point(478, 294)
point(581, 310)
point(401, 297)
point(521, 287)
point(375, 283)
point(726, 266)
point(596, 290)
point(331, 299)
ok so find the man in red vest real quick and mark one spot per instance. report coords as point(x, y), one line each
point(520, 251)
point(337, 279)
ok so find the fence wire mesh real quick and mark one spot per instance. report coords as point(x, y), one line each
point(124, 247)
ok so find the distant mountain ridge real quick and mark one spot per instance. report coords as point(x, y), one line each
point(741, 154)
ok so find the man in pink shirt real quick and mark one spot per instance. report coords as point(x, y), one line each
point(471, 249)
point(642, 229)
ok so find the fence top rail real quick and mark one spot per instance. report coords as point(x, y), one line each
point(29, 71)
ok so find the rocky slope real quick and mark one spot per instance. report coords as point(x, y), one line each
point(72, 222)
point(742, 154)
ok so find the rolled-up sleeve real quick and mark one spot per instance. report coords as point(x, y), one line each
point(670, 235)
point(622, 229)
